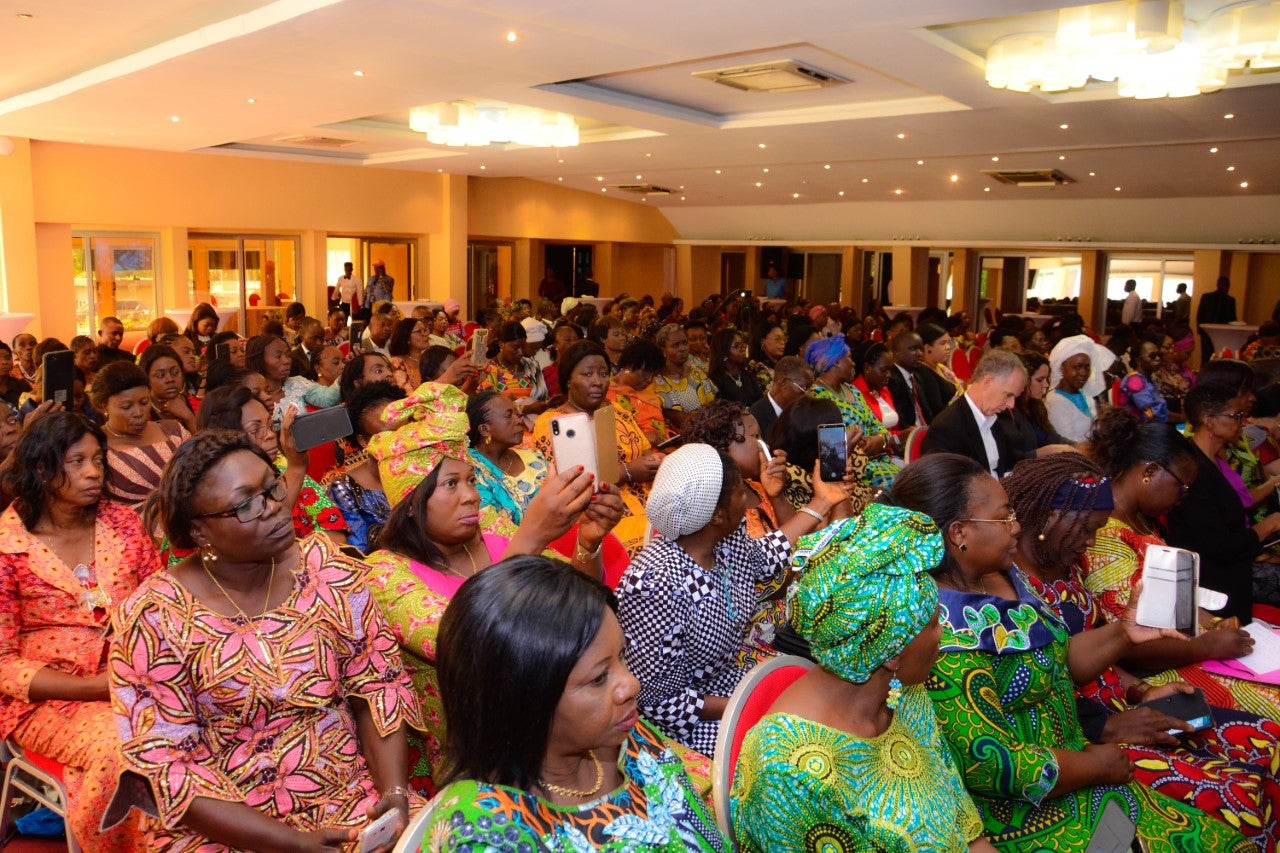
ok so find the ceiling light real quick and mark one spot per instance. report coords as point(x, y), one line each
point(604, 189)
point(986, 189)
point(902, 136)
point(175, 119)
point(648, 154)
point(826, 165)
point(599, 177)
point(458, 123)
point(795, 195)
point(995, 159)
point(1093, 174)
point(758, 184)
point(955, 178)
point(898, 191)
point(1231, 168)
point(253, 100)
point(682, 198)
point(1213, 150)
point(682, 186)
point(765, 170)
point(511, 36)
point(1063, 126)
point(761, 145)
point(717, 171)
point(1229, 116)
point(1062, 156)
point(559, 179)
point(919, 162)
point(561, 160)
point(639, 177)
point(864, 180)
point(482, 167)
point(1241, 34)
point(1244, 185)
point(25, 16)
point(357, 73)
point(1117, 189)
point(841, 193)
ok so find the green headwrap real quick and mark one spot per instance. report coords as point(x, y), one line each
point(866, 592)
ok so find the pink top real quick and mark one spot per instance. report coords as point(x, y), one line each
point(1237, 483)
point(446, 585)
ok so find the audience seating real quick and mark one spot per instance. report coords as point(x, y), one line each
point(751, 700)
point(411, 839)
point(913, 443)
point(31, 774)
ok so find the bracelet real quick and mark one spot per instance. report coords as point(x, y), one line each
point(819, 517)
point(582, 555)
point(396, 791)
point(627, 469)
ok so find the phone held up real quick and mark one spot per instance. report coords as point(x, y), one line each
point(833, 452)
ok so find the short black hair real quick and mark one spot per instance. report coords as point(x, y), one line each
point(154, 353)
point(509, 639)
point(719, 424)
point(1207, 399)
point(642, 355)
point(38, 459)
point(431, 365)
point(368, 395)
point(353, 372)
point(796, 430)
point(116, 378)
point(399, 343)
point(940, 485)
point(571, 357)
point(1119, 441)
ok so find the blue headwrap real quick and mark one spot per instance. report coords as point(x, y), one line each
point(824, 353)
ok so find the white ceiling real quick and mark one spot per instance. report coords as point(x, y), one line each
point(80, 72)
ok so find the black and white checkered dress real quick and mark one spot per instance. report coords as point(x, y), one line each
point(684, 625)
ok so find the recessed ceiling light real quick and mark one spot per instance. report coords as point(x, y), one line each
point(902, 136)
point(1231, 168)
point(439, 170)
point(1244, 185)
point(482, 167)
point(986, 189)
point(644, 198)
point(25, 16)
point(682, 198)
point(253, 100)
point(841, 193)
point(1062, 156)
point(175, 119)
point(898, 191)
point(357, 73)
point(648, 154)
point(1213, 150)
point(559, 179)
point(561, 160)
point(864, 180)
point(919, 162)
point(765, 170)
point(599, 177)
point(758, 184)
point(511, 36)
point(1229, 116)
point(682, 186)
point(81, 141)
point(604, 189)
point(1093, 174)
point(826, 165)
point(955, 178)
point(113, 133)
point(1117, 189)
point(717, 171)
point(639, 177)
point(1063, 126)
point(995, 159)
point(795, 195)
point(762, 145)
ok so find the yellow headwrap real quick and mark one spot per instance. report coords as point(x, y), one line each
point(420, 430)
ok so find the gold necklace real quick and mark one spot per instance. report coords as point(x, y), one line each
point(125, 434)
point(266, 602)
point(570, 792)
point(449, 570)
point(1133, 522)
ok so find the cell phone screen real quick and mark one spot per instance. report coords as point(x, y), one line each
point(833, 453)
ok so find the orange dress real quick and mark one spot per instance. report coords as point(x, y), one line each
point(50, 617)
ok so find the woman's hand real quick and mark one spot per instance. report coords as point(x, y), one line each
point(293, 457)
point(1223, 643)
point(644, 468)
point(180, 410)
point(559, 501)
point(1138, 634)
point(48, 407)
point(459, 373)
point(326, 840)
point(825, 492)
point(853, 437)
point(600, 517)
point(1268, 527)
point(773, 473)
point(1111, 765)
point(385, 803)
point(1142, 727)
point(1170, 689)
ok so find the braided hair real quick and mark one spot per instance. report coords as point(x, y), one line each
point(1031, 489)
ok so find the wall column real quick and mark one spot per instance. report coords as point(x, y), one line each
point(525, 256)
point(603, 256)
point(313, 264)
point(18, 259)
point(1093, 289)
point(55, 298)
point(684, 273)
point(447, 248)
point(910, 275)
point(964, 282)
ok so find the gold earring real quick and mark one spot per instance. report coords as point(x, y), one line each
point(1146, 479)
point(1040, 537)
point(207, 554)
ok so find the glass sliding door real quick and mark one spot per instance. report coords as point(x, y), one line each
point(115, 276)
point(248, 279)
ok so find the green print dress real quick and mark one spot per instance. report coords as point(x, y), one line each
point(655, 810)
point(1005, 699)
point(854, 411)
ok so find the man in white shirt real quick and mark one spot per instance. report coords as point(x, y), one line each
point(347, 286)
point(1131, 313)
point(792, 379)
point(974, 428)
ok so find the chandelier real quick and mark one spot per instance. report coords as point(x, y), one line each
point(1146, 47)
point(459, 123)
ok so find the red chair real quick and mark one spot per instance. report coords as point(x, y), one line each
point(960, 364)
point(1267, 613)
point(36, 777)
point(751, 700)
point(913, 444)
point(614, 555)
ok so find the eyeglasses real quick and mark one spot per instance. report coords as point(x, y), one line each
point(1183, 487)
point(1238, 417)
point(1008, 522)
point(252, 507)
point(797, 386)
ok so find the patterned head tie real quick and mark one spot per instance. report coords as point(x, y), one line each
point(420, 431)
point(1083, 494)
point(866, 591)
point(825, 353)
point(685, 491)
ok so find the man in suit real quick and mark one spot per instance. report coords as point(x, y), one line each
point(1216, 307)
point(977, 425)
point(792, 379)
point(916, 399)
point(310, 342)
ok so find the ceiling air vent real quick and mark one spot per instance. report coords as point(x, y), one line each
point(1031, 177)
point(317, 141)
point(784, 75)
point(643, 189)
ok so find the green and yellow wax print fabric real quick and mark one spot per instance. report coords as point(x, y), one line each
point(879, 471)
point(801, 786)
point(864, 589)
point(1005, 699)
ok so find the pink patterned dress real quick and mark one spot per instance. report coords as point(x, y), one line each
point(257, 712)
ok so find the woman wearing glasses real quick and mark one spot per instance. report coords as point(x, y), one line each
point(1212, 519)
point(259, 694)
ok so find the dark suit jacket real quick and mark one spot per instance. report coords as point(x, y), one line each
point(931, 402)
point(763, 410)
point(954, 430)
point(1211, 520)
point(1216, 307)
point(301, 363)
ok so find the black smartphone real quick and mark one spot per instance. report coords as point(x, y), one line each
point(833, 452)
point(316, 428)
point(1191, 708)
point(673, 441)
point(59, 372)
point(222, 352)
point(357, 336)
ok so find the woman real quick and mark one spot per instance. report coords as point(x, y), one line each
point(686, 600)
point(795, 433)
point(1138, 391)
point(260, 697)
point(1212, 518)
point(365, 367)
point(190, 360)
point(872, 364)
point(852, 749)
point(1031, 430)
point(585, 772)
point(408, 342)
point(235, 347)
point(24, 362)
point(68, 557)
point(11, 387)
point(728, 368)
point(269, 355)
point(1003, 684)
point(938, 347)
point(516, 376)
point(682, 387)
point(355, 488)
point(327, 362)
point(440, 336)
point(833, 376)
point(507, 475)
point(584, 374)
point(1174, 377)
point(563, 335)
point(163, 367)
point(611, 334)
point(433, 539)
point(202, 325)
point(137, 447)
point(731, 429)
point(768, 343)
point(1076, 367)
point(631, 389)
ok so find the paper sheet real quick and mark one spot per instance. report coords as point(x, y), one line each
point(1265, 656)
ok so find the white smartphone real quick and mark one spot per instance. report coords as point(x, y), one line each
point(381, 832)
point(1170, 577)
point(764, 448)
point(573, 442)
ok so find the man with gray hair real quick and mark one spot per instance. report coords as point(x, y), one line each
point(977, 425)
point(792, 379)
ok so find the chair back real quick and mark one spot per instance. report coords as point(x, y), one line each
point(913, 444)
point(411, 839)
point(751, 700)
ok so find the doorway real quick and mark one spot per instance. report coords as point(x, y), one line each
point(115, 275)
point(733, 271)
point(248, 279)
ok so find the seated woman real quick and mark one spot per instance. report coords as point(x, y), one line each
point(269, 355)
point(1212, 518)
point(872, 364)
point(631, 388)
point(1031, 431)
point(1003, 685)
point(513, 374)
point(440, 334)
point(408, 342)
point(137, 447)
point(832, 366)
point(507, 475)
point(1076, 366)
point(584, 377)
point(1174, 376)
point(68, 557)
point(433, 539)
point(936, 356)
point(254, 713)
point(687, 598)
point(1138, 391)
point(796, 434)
point(767, 344)
point(163, 367)
point(1152, 467)
point(610, 332)
point(356, 489)
point(852, 749)
point(728, 369)
point(576, 769)
point(682, 386)
point(202, 325)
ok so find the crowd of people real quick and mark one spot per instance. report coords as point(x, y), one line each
point(543, 650)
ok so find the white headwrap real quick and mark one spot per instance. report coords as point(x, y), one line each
point(1100, 358)
point(685, 491)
